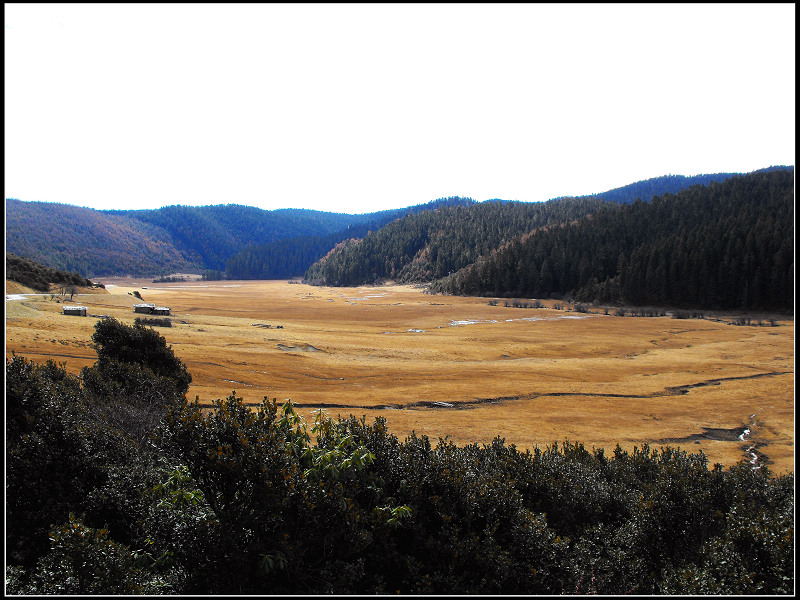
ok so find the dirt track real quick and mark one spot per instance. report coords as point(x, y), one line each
point(532, 376)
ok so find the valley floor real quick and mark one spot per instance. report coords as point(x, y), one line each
point(457, 367)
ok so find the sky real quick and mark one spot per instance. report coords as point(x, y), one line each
point(362, 107)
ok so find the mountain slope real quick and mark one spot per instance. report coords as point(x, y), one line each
point(646, 189)
point(255, 243)
point(724, 245)
point(39, 277)
point(156, 242)
point(428, 245)
point(90, 242)
point(292, 257)
point(212, 234)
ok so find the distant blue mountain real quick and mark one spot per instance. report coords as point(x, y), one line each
point(666, 184)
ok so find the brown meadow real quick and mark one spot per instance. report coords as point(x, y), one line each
point(456, 367)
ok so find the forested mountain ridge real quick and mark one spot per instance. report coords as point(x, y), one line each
point(39, 277)
point(646, 189)
point(726, 245)
point(174, 238)
point(252, 243)
point(90, 242)
point(212, 234)
point(429, 245)
point(292, 257)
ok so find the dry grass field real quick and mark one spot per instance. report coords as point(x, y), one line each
point(532, 376)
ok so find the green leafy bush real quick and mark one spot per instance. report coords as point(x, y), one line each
point(138, 345)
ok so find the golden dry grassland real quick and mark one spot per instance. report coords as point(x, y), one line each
point(531, 376)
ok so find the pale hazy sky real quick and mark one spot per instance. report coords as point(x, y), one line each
point(356, 108)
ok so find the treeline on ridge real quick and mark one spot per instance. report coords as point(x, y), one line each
point(213, 234)
point(293, 256)
point(116, 484)
point(429, 245)
point(177, 238)
point(157, 242)
point(38, 276)
point(726, 245)
point(647, 189)
point(90, 242)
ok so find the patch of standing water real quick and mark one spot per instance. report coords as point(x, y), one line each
point(24, 296)
point(753, 455)
point(754, 458)
point(368, 297)
point(186, 287)
point(455, 323)
point(470, 322)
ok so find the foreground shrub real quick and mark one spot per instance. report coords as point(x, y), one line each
point(84, 561)
point(138, 345)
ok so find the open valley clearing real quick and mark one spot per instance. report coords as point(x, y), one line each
point(455, 367)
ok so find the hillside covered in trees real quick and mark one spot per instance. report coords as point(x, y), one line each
point(293, 256)
point(647, 189)
point(116, 484)
point(90, 242)
point(212, 234)
point(158, 242)
point(726, 245)
point(252, 243)
point(39, 277)
point(427, 246)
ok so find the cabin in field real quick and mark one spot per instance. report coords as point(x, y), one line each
point(151, 309)
point(78, 311)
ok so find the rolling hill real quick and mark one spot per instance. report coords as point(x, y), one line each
point(419, 243)
point(647, 189)
point(39, 277)
point(156, 242)
point(429, 245)
point(721, 245)
point(90, 242)
point(726, 245)
point(182, 238)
